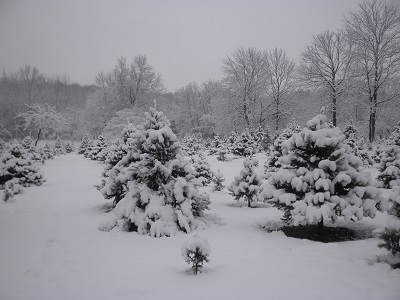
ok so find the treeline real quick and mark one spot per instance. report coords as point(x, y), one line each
point(26, 87)
point(354, 72)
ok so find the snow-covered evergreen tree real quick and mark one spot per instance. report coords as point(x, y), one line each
point(391, 235)
point(390, 167)
point(324, 179)
point(83, 145)
point(218, 181)
point(223, 154)
point(196, 251)
point(202, 169)
point(15, 162)
point(216, 144)
point(89, 147)
point(247, 184)
point(394, 138)
point(116, 173)
point(244, 145)
point(48, 151)
point(192, 145)
point(162, 194)
point(27, 143)
point(357, 144)
point(273, 164)
point(68, 147)
point(11, 188)
point(32, 151)
point(58, 147)
point(96, 152)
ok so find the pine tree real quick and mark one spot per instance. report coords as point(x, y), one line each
point(394, 138)
point(247, 184)
point(202, 170)
point(273, 163)
point(391, 235)
point(162, 194)
point(223, 154)
point(323, 180)
point(27, 143)
point(84, 145)
point(216, 144)
point(191, 145)
point(15, 162)
point(219, 181)
point(196, 252)
point(357, 144)
point(48, 151)
point(390, 167)
point(58, 147)
point(68, 147)
point(244, 145)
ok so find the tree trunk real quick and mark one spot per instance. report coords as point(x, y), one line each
point(320, 225)
point(277, 117)
point(372, 118)
point(334, 109)
point(38, 137)
point(246, 116)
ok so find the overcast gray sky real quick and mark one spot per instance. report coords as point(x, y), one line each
point(184, 40)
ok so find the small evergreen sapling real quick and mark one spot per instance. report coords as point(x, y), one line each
point(222, 154)
point(196, 251)
point(247, 184)
point(219, 181)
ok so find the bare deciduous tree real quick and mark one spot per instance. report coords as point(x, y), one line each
point(136, 83)
point(245, 77)
point(281, 83)
point(375, 33)
point(325, 64)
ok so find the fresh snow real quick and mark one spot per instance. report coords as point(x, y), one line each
point(51, 249)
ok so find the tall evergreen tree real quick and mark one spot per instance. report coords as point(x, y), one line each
point(162, 194)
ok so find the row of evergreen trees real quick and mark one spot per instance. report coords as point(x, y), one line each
point(318, 177)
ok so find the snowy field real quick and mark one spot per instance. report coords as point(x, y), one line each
point(51, 249)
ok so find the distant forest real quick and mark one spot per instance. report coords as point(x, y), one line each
point(354, 72)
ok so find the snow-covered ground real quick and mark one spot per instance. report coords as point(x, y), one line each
point(50, 248)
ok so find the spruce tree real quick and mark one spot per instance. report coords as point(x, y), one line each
point(323, 180)
point(357, 144)
point(83, 145)
point(196, 251)
point(247, 184)
point(162, 194)
point(16, 163)
point(273, 163)
point(394, 138)
point(390, 167)
point(58, 147)
point(219, 181)
point(202, 170)
point(391, 236)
